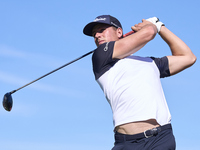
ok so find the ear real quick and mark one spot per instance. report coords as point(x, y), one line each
point(119, 32)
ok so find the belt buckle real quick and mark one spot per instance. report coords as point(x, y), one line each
point(146, 134)
point(153, 132)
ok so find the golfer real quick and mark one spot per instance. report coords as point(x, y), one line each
point(131, 84)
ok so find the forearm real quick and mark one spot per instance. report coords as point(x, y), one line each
point(182, 57)
point(177, 46)
point(131, 44)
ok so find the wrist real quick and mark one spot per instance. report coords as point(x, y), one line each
point(159, 25)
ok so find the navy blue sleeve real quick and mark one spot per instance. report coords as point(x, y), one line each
point(163, 66)
point(102, 59)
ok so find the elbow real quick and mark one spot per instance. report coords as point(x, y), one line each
point(193, 59)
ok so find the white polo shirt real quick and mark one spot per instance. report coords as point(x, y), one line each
point(132, 85)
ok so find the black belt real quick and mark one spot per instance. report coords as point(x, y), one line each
point(145, 134)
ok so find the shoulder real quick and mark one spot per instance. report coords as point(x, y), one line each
point(163, 66)
point(105, 48)
point(102, 59)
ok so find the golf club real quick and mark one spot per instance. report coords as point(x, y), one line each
point(7, 99)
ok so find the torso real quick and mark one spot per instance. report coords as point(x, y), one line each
point(133, 89)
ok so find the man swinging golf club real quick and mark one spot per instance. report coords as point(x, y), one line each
point(132, 84)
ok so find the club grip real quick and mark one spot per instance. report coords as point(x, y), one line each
point(129, 33)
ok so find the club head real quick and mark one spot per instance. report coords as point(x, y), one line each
point(7, 101)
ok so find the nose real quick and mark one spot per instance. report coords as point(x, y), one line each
point(97, 34)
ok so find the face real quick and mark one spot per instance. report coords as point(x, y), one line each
point(105, 33)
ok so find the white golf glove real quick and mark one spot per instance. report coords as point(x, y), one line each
point(156, 22)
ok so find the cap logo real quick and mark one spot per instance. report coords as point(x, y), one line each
point(98, 19)
point(114, 25)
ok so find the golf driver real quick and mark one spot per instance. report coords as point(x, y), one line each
point(7, 99)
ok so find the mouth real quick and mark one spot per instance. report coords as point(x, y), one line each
point(101, 42)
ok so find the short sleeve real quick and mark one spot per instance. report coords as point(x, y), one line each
point(163, 66)
point(102, 59)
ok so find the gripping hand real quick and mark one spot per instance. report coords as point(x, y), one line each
point(156, 22)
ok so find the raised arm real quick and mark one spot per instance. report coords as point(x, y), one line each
point(145, 32)
point(182, 57)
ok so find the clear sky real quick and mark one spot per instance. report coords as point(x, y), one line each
point(67, 110)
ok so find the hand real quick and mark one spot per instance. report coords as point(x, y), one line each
point(156, 22)
point(139, 26)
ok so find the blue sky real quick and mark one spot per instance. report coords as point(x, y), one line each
point(67, 110)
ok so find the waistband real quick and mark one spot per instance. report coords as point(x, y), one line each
point(119, 137)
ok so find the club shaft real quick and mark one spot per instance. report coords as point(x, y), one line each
point(127, 34)
point(53, 71)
